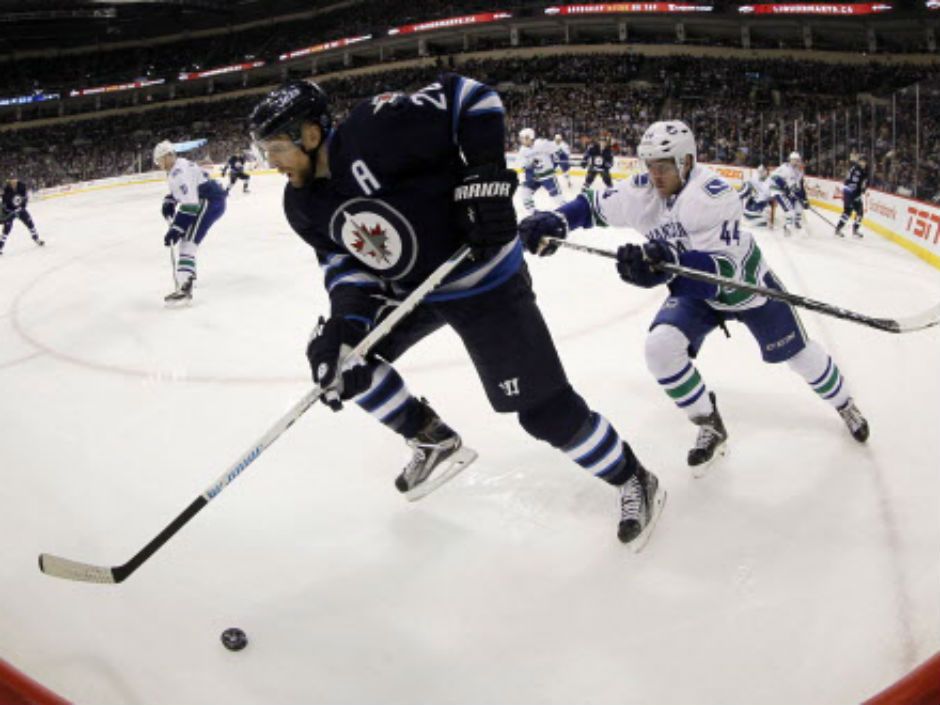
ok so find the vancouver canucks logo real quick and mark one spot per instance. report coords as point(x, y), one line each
point(376, 234)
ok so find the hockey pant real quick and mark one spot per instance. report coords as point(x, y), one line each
point(851, 204)
point(530, 186)
point(26, 219)
point(515, 358)
point(234, 176)
point(792, 209)
point(592, 174)
point(679, 330)
point(209, 212)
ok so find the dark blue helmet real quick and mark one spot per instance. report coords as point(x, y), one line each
point(286, 108)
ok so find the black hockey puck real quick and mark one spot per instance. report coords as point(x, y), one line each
point(234, 639)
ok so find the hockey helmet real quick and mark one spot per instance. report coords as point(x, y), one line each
point(761, 172)
point(795, 158)
point(526, 134)
point(161, 150)
point(284, 110)
point(669, 139)
point(559, 138)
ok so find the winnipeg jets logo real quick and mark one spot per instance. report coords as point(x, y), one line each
point(383, 99)
point(376, 234)
point(369, 241)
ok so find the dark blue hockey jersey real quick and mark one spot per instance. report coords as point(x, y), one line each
point(597, 159)
point(385, 219)
point(14, 197)
point(236, 164)
point(856, 182)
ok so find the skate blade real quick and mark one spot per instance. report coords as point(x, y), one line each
point(452, 467)
point(659, 501)
point(700, 471)
point(178, 303)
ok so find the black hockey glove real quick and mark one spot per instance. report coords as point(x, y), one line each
point(636, 263)
point(330, 345)
point(485, 214)
point(542, 224)
point(173, 235)
point(168, 209)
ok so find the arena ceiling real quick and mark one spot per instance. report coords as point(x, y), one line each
point(50, 24)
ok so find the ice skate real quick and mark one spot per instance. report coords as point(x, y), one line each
point(40, 243)
point(711, 443)
point(856, 423)
point(857, 233)
point(439, 455)
point(838, 231)
point(182, 296)
point(641, 503)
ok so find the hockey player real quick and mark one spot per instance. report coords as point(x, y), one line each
point(538, 165)
point(691, 216)
point(562, 158)
point(756, 198)
point(386, 197)
point(853, 189)
point(786, 184)
point(194, 204)
point(236, 170)
point(598, 159)
point(13, 206)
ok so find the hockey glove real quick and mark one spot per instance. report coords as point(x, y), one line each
point(485, 214)
point(168, 209)
point(637, 263)
point(173, 235)
point(329, 347)
point(542, 224)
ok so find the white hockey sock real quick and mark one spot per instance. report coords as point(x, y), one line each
point(667, 357)
point(819, 370)
point(186, 262)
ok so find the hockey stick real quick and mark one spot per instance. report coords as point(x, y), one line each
point(86, 572)
point(173, 267)
point(926, 319)
point(822, 217)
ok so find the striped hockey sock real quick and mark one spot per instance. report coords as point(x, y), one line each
point(389, 401)
point(598, 448)
point(687, 389)
point(819, 370)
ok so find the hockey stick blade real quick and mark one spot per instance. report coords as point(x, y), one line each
point(907, 324)
point(73, 570)
point(68, 569)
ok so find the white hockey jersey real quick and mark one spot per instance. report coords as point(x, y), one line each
point(786, 178)
point(561, 150)
point(537, 160)
point(757, 189)
point(188, 182)
point(704, 216)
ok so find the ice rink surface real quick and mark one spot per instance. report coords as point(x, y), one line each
point(805, 569)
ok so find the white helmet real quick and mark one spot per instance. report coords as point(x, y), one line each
point(558, 137)
point(795, 158)
point(526, 133)
point(669, 139)
point(761, 172)
point(161, 150)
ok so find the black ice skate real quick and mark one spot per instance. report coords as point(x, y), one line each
point(711, 442)
point(40, 243)
point(856, 423)
point(856, 232)
point(438, 456)
point(182, 296)
point(641, 502)
point(839, 230)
